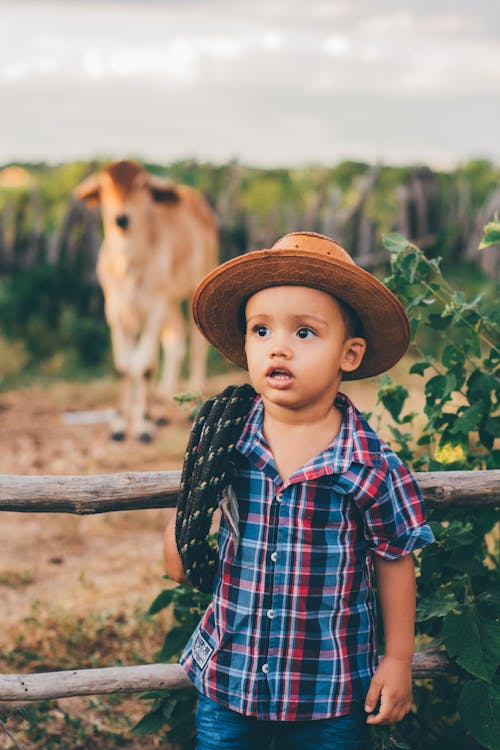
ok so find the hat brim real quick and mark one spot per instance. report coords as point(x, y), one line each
point(219, 300)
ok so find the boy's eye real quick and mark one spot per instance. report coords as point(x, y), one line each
point(305, 333)
point(262, 331)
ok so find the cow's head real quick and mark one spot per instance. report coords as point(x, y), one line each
point(125, 192)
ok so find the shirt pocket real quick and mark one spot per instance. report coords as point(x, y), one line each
point(323, 508)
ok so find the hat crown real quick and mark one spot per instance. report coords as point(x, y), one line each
point(311, 242)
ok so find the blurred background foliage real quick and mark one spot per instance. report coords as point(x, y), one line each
point(51, 308)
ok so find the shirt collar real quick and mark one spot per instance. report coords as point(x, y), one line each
point(355, 442)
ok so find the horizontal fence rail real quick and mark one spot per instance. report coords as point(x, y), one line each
point(102, 493)
point(70, 683)
point(87, 495)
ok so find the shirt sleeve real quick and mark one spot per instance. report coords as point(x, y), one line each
point(393, 512)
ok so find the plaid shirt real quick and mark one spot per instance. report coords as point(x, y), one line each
point(290, 633)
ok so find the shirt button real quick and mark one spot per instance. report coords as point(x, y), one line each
point(265, 668)
point(279, 497)
point(274, 556)
point(270, 613)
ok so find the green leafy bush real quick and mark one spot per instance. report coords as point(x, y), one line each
point(53, 310)
point(458, 580)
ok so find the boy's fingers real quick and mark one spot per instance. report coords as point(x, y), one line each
point(384, 716)
point(372, 696)
point(389, 713)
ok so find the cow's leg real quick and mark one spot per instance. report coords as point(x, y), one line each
point(142, 425)
point(173, 339)
point(120, 422)
point(143, 369)
point(197, 360)
point(123, 347)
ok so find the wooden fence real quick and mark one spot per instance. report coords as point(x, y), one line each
point(426, 208)
point(84, 495)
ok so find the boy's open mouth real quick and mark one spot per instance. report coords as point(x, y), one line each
point(279, 375)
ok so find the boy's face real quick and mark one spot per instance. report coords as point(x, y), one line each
point(296, 346)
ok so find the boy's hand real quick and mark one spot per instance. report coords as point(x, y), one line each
point(391, 685)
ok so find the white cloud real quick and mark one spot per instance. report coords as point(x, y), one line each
point(207, 72)
point(337, 46)
point(272, 41)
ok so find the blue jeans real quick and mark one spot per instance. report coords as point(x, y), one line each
point(219, 728)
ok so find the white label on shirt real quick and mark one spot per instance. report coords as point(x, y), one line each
point(202, 651)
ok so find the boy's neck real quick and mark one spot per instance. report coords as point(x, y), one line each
point(296, 437)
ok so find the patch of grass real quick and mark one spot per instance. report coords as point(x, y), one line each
point(15, 579)
point(78, 724)
point(58, 641)
point(13, 357)
point(65, 641)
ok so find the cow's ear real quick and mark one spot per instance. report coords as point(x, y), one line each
point(163, 191)
point(89, 191)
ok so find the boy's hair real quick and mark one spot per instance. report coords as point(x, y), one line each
point(353, 325)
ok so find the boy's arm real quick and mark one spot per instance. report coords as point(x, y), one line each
point(391, 683)
point(171, 558)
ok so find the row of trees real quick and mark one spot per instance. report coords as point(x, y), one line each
point(50, 304)
point(443, 212)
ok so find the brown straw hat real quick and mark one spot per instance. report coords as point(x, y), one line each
point(301, 259)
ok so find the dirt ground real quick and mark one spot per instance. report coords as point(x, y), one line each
point(106, 563)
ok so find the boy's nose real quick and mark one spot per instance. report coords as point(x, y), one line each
point(280, 349)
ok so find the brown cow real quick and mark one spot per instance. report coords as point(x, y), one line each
point(159, 240)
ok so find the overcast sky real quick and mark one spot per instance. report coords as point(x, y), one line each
point(270, 82)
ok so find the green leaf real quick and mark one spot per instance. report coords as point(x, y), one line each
point(152, 695)
point(414, 324)
point(451, 383)
point(437, 604)
point(409, 266)
point(492, 425)
point(482, 385)
point(149, 724)
point(450, 356)
point(468, 419)
point(491, 235)
point(479, 709)
point(408, 418)
point(474, 343)
point(174, 642)
point(436, 387)
point(394, 242)
point(162, 600)
point(466, 561)
point(393, 398)
point(489, 600)
point(456, 535)
point(424, 440)
point(473, 641)
point(438, 322)
point(419, 368)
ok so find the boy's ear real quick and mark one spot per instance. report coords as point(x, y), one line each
point(354, 352)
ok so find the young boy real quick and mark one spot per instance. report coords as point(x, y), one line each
point(287, 646)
